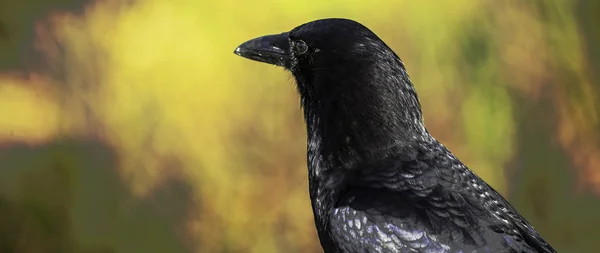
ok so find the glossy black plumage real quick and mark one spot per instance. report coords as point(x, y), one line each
point(378, 181)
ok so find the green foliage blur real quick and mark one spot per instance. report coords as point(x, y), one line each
point(130, 125)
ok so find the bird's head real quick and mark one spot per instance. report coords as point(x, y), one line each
point(319, 50)
point(355, 90)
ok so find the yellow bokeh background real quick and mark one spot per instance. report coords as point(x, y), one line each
point(130, 126)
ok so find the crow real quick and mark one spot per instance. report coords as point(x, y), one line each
point(378, 181)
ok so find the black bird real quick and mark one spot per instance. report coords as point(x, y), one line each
point(378, 181)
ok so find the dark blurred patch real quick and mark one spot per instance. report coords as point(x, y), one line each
point(3, 34)
point(476, 46)
point(158, 222)
point(588, 17)
point(67, 196)
point(9, 226)
point(17, 21)
point(543, 189)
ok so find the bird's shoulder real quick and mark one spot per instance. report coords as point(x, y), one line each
point(428, 198)
point(375, 220)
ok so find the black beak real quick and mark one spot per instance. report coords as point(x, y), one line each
point(272, 49)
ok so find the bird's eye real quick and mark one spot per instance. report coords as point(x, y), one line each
point(300, 47)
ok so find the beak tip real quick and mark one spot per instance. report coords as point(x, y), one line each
point(237, 51)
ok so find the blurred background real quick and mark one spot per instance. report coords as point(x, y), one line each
point(130, 125)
